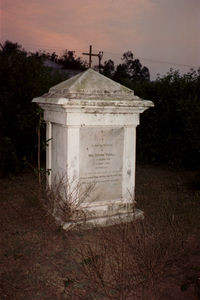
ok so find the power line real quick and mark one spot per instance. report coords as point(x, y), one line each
point(157, 61)
point(53, 48)
point(46, 46)
point(114, 53)
point(167, 62)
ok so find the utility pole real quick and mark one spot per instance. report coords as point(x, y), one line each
point(99, 55)
point(2, 47)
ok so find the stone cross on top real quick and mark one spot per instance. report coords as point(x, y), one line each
point(91, 127)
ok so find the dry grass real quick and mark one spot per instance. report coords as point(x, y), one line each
point(63, 200)
point(136, 260)
point(152, 259)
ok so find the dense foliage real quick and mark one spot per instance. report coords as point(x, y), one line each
point(23, 76)
point(130, 70)
point(169, 132)
point(67, 60)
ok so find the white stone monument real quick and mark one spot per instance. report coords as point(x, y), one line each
point(91, 128)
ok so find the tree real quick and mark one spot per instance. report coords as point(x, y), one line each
point(169, 132)
point(23, 76)
point(109, 68)
point(131, 70)
point(69, 61)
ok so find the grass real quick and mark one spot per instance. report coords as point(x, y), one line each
point(157, 258)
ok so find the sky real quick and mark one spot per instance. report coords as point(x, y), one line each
point(163, 34)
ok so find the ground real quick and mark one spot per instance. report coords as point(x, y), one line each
point(38, 260)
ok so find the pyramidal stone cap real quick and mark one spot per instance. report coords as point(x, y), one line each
point(91, 88)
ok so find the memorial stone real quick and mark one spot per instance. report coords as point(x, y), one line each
point(91, 128)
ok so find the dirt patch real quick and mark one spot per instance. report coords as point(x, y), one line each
point(40, 261)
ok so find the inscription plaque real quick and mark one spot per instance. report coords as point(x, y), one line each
point(101, 161)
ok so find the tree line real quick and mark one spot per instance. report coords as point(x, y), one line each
point(169, 132)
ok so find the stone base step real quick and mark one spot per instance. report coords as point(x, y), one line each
point(105, 221)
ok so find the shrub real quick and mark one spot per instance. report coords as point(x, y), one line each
point(23, 77)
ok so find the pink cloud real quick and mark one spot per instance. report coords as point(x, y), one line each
point(77, 23)
point(150, 28)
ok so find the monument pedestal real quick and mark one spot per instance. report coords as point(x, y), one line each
point(91, 129)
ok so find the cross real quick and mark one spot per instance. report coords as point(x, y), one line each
point(100, 55)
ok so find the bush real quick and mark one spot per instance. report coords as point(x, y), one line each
point(146, 259)
point(169, 132)
point(23, 77)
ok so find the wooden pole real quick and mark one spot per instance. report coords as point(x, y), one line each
point(90, 57)
point(90, 54)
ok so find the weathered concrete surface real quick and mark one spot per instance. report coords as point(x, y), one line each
point(91, 128)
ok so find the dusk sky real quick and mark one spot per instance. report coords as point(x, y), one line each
point(156, 31)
